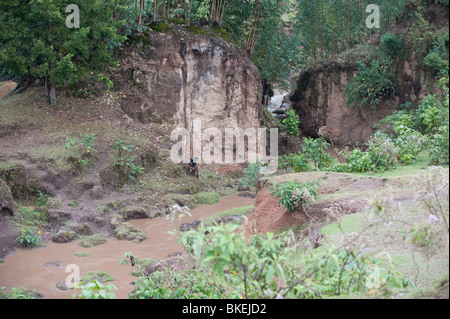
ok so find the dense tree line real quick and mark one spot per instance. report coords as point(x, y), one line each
point(278, 35)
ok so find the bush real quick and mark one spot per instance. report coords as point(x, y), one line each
point(383, 151)
point(359, 161)
point(373, 83)
point(393, 45)
point(315, 150)
point(291, 123)
point(125, 161)
point(435, 62)
point(30, 237)
point(81, 152)
point(294, 194)
point(439, 146)
point(296, 162)
point(251, 175)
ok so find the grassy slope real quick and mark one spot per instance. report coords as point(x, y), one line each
point(362, 187)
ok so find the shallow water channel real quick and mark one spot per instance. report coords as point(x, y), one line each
point(41, 268)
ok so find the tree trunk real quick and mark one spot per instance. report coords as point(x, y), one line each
point(50, 90)
point(348, 25)
point(154, 10)
point(189, 14)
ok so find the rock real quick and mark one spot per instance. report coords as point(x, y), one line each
point(180, 80)
point(126, 231)
point(82, 229)
point(53, 263)
point(96, 192)
point(174, 262)
point(64, 236)
point(93, 240)
point(247, 194)
point(7, 204)
point(279, 111)
point(61, 285)
point(136, 213)
point(57, 216)
point(187, 226)
point(321, 102)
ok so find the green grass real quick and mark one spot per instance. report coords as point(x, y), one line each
point(206, 198)
point(83, 254)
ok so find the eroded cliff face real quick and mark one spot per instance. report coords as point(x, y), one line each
point(322, 104)
point(178, 77)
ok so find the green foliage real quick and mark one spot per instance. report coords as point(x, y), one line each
point(294, 194)
point(296, 162)
point(373, 83)
point(125, 161)
point(292, 122)
point(383, 152)
point(359, 161)
point(266, 266)
point(95, 290)
point(206, 198)
point(52, 51)
point(393, 45)
point(439, 146)
point(81, 153)
point(314, 149)
point(435, 62)
point(251, 175)
point(18, 293)
point(30, 237)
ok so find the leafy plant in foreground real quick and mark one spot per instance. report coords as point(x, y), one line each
point(294, 194)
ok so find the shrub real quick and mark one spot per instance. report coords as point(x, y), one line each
point(439, 146)
point(296, 162)
point(383, 151)
point(125, 161)
point(251, 175)
point(294, 194)
point(435, 62)
point(373, 83)
point(80, 152)
point(393, 45)
point(30, 237)
point(291, 123)
point(315, 150)
point(409, 143)
point(359, 161)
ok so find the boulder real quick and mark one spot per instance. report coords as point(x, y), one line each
point(7, 203)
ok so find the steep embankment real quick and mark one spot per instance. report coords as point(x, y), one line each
point(320, 96)
point(108, 154)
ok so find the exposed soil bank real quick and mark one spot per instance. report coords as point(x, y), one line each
point(6, 87)
point(42, 268)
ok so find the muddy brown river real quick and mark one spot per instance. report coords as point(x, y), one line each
point(41, 268)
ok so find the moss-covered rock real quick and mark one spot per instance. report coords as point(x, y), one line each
point(64, 236)
point(100, 275)
point(126, 231)
point(94, 240)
